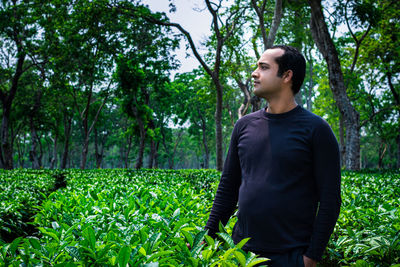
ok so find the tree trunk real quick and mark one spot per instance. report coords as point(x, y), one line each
point(218, 127)
point(53, 162)
point(152, 154)
point(382, 151)
point(178, 138)
point(67, 134)
point(49, 150)
point(156, 155)
point(96, 148)
point(87, 130)
point(298, 99)
point(139, 161)
point(310, 83)
point(256, 103)
point(69, 164)
point(351, 118)
point(7, 151)
point(398, 147)
point(85, 150)
point(170, 156)
point(276, 21)
point(98, 152)
point(21, 152)
point(246, 101)
point(100, 160)
point(342, 142)
point(7, 99)
point(268, 41)
point(152, 146)
point(128, 150)
point(260, 14)
point(99, 147)
point(206, 150)
point(41, 151)
point(33, 157)
point(396, 97)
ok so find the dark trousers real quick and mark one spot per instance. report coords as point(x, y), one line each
point(292, 258)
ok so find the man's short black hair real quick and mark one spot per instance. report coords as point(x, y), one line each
point(292, 60)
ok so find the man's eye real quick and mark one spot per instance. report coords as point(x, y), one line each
point(264, 67)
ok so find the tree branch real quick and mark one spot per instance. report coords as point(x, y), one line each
point(358, 44)
point(275, 23)
point(99, 110)
point(347, 22)
point(219, 39)
point(188, 37)
point(374, 114)
point(260, 14)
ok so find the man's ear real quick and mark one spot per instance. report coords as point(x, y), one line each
point(287, 76)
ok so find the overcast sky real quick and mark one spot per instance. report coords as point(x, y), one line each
point(188, 15)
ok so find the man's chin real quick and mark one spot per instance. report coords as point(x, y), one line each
point(257, 93)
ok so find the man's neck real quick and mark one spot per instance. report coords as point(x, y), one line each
point(276, 106)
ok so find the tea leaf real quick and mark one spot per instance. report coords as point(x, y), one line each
point(123, 256)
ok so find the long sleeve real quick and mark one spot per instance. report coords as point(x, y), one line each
point(228, 189)
point(326, 168)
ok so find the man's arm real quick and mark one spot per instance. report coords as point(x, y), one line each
point(308, 262)
point(228, 189)
point(326, 164)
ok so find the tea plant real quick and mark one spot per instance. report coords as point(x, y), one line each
point(156, 218)
point(118, 217)
point(368, 228)
point(20, 192)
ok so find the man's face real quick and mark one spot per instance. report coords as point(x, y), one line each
point(266, 81)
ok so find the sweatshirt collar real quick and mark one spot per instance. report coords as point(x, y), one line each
point(280, 115)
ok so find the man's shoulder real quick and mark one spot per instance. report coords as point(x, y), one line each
point(249, 117)
point(320, 127)
point(315, 119)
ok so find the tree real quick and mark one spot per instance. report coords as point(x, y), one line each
point(351, 117)
point(381, 55)
point(268, 41)
point(29, 102)
point(91, 36)
point(222, 31)
point(142, 74)
point(197, 108)
point(18, 32)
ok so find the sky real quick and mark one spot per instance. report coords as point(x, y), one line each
point(193, 16)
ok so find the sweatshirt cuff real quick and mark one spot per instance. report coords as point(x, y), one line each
point(313, 255)
point(211, 232)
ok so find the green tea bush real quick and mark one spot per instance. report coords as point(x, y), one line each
point(368, 228)
point(20, 192)
point(156, 218)
point(119, 217)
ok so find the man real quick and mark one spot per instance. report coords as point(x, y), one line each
point(282, 169)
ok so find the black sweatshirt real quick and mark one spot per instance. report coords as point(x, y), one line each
point(278, 169)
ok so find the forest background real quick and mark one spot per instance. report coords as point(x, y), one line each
point(93, 84)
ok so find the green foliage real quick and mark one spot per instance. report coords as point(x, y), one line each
point(368, 228)
point(77, 55)
point(119, 217)
point(21, 193)
point(197, 102)
point(324, 104)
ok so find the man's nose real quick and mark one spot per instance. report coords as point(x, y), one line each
point(254, 74)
